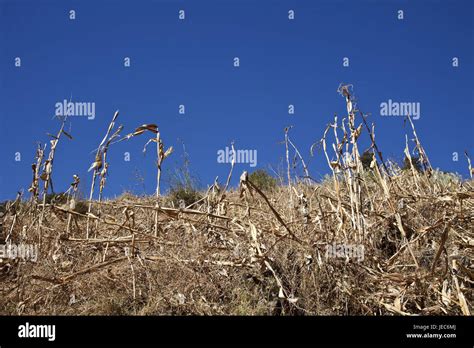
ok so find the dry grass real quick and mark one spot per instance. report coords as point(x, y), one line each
point(244, 251)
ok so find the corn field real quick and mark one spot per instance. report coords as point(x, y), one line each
point(244, 250)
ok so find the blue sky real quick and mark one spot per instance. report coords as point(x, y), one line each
point(190, 62)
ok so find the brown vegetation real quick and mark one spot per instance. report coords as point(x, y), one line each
point(251, 250)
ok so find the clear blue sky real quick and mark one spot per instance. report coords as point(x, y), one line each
point(190, 62)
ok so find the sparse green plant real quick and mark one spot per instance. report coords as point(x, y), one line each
point(366, 159)
point(81, 207)
point(263, 180)
point(56, 198)
point(180, 195)
point(183, 184)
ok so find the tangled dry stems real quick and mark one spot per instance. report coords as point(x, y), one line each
point(247, 252)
